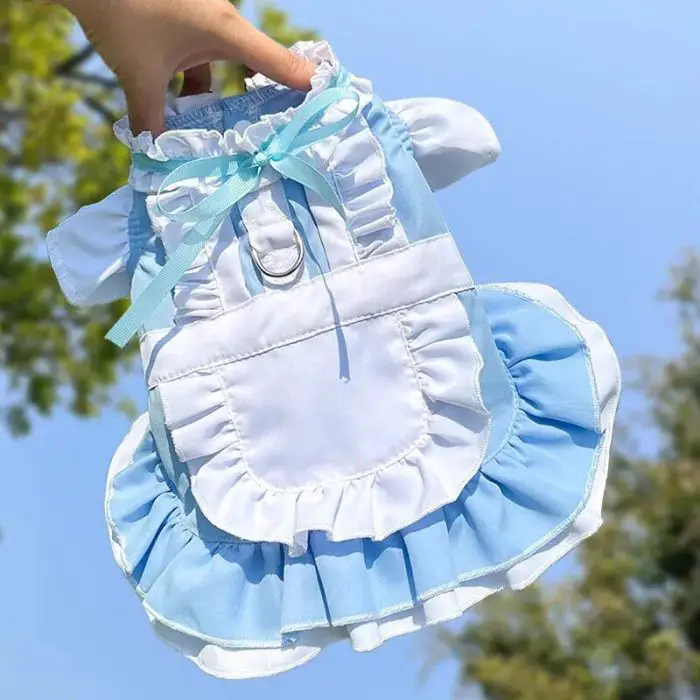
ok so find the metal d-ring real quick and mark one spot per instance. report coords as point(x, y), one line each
point(284, 273)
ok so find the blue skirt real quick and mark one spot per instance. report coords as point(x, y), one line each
point(242, 609)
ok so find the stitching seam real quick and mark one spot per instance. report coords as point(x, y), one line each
point(295, 339)
point(333, 273)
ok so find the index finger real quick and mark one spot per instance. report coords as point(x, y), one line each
point(241, 41)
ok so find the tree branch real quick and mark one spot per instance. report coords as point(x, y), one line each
point(78, 58)
point(100, 109)
point(93, 79)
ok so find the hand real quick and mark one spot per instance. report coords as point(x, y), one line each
point(145, 42)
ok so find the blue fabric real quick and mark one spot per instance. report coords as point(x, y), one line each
point(226, 112)
point(201, 580)
point(316, 259)
point(146, 258)
point(413, 199)
point(497, 387)
point(139, 230)
point(399, 126)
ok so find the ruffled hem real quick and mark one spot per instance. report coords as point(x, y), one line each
point(242, 664)
point(238, 664)
point(535, 499)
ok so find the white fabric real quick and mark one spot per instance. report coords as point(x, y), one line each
point(375, 287)
point(450, 139)
point(267, 219)
point(201, 293)
point(242, 397)
point(240, 664)
point(338, 244)
point(89, 251)
point(356, 164)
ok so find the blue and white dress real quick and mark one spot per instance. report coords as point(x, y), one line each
point(347, 437)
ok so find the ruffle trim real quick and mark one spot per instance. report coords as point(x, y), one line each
point(244, 137)
point(204, 589)
point(358, 167)
point(429, 473)
point(355, 160)
point(196, 143)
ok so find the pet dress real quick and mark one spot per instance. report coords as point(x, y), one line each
point(347, 438)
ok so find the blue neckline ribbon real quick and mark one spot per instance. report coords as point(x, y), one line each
point(240, 175)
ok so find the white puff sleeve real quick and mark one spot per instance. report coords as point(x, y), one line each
point(89, 251)
point(449, 139)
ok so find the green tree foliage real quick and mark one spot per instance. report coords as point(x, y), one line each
point(626, 625)
point(58, 153)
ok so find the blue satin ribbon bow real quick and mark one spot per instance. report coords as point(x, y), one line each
point(240, 175)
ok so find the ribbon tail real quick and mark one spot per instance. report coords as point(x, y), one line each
point(294, 168)
point(212, 211)
point(159, 288)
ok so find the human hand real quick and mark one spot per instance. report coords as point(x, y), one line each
point(145, 42)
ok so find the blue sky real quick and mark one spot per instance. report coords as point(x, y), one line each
point(596, 106)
